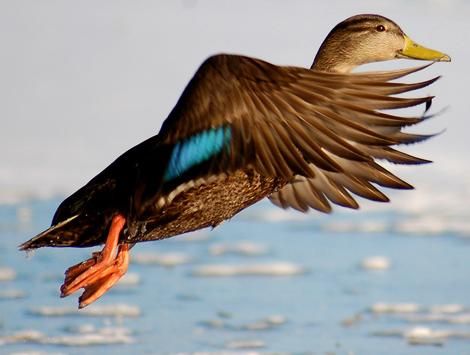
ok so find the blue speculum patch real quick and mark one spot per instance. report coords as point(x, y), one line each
point(197, 149)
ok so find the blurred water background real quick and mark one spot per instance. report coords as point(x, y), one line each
point(84, 81)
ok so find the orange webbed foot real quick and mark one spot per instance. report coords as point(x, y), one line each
point(99, 273)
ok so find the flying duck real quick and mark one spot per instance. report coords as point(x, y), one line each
point(242, 130)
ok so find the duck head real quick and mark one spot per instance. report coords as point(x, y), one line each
point(365, 39)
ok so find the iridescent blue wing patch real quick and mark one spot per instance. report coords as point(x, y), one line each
point(197, 149)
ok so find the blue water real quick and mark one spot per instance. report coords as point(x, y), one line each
point(185, 313)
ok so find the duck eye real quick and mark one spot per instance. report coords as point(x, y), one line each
point(380, 28)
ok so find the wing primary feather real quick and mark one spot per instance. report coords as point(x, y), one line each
point(410, 138)
point(276, 156)
point(294, 158)
point(350, 130)
point(263, 155)
point(385, 178)
point(390, 88)
point(311, 198)
point(326, 137)
point(394, 156)
point(323, 204)
point(294, 200)
point(392, 74)
point(333, 191)
point(311, 150)
point(342, 197)
point(379, 102)
point(360, 187)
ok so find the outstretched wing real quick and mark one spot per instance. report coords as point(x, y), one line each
point(319, 130)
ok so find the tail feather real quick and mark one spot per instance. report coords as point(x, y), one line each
point(49, 237)
point(76, 231)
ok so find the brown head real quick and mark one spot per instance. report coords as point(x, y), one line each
point(365, 39)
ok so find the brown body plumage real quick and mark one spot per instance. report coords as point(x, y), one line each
point(245, 129)
point(318, 142)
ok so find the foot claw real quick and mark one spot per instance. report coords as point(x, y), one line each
point(99, 273)
point(99, 288)
point(75, 270)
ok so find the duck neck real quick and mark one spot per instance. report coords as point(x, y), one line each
point(335, 55)
point(333, 60)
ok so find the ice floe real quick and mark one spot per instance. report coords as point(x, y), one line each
point(11, 294)
point(424, 335)
point(129, 279)
point(167, 259)
point(344, 226)
point(266, 323)
point(433, 224)
point(110, 310)
point(447, 308)
point(7, 273)
point(232, 352)
point(461, 318)
point(22, 336)
point(89, 339)
point(421, 335)
point(245, 344)
point(196, 236)
point(395, 308)
point(451, 314)
point(240, 248)
point(376, 263)
point(269, 322)
point(407, 225)
point(34, 352)
point(267, 269)
point(99, 336)
point(277, 215)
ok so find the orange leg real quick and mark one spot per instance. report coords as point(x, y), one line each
point(99, 273)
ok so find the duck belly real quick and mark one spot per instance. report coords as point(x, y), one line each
point(201, 204)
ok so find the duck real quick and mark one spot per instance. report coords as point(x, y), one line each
point(243, 130)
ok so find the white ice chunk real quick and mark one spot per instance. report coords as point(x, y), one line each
point(447, 308)
point(376, 263)
point(111, 310)
point(168, 259)
point(269, 269)
point(7, 273)
point(245, 344)
point(381, 307)
point(425, 336)
point(129, 279)
point(242, 248)
point(11, 294)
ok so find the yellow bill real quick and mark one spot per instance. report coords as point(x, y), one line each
point(413, 50)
